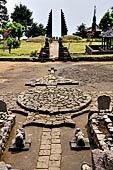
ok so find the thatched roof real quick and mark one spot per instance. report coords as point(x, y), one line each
point(107, 34)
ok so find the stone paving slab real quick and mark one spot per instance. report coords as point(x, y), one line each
point(42, 165)
point(44, 152)
point(48, 142)
point(56, 141)
point(54, 164)
point(55, 157)
point(56, 151)
point(43, 159)
point(45, 147)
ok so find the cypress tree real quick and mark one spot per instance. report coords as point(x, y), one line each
point(64, 29)
point(49, 26)
point(94, 20)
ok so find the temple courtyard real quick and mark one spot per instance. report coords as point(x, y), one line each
point(95, 78)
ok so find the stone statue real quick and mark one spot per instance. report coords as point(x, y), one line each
point(86, 166)
point(79, 142)
point(79, 137)
point(60, 42)
point(20, 138)
point(46, 43)
point(20, 143)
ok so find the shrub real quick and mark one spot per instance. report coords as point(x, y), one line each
point(34, 54)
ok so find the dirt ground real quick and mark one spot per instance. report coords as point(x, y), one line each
point(93, 76)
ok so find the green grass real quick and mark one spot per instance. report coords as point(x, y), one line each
point(76, 48)
point(79, 47)
point(23, 52)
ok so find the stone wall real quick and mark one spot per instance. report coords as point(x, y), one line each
point(101, 136)
point(102, 160)
point(7, 121)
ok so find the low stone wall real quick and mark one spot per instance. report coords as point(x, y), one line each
point(97, 49)
point(102, 160)
point(7, 121)
point(101, 138)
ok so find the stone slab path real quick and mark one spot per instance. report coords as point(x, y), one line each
point(49, 156)
point(54, 48)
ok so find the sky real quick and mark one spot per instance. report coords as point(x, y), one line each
point(76, 11)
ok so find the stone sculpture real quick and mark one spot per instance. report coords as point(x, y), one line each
point(79, 142)
point(20, 138)
point(63, 52)
point(79, 137)
point(20, 143)
point(86, 166)
point(46, 43)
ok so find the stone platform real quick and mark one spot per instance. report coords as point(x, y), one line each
point(74, 145)
point(13, 147)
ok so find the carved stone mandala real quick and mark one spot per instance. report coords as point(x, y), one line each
point(53, 100)
point(52, 105)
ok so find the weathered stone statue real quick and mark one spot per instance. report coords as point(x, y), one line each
point(86, 166)
point(60, 42)
point(63, 51)
point(79, 142)
point(20, 138)
point(46, 43)
point(44, 52)
point(20, 143)
point(79, 137)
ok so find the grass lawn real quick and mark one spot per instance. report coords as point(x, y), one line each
point(79, 47)
point(23, 52)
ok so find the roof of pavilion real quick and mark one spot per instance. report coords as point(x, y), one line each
point(90, 29)
point(108, 33)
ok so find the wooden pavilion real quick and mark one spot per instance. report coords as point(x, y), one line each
point(107, 38)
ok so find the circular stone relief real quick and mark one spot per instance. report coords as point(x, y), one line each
point(54, 100)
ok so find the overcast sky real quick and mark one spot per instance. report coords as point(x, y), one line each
point(76, 11)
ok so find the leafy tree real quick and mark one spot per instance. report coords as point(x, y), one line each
point(107, 21)
point(3, 11)
point(17, 29)
point(81, 30)
point(35, 30)
point(22, 15)
point(10, 32)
